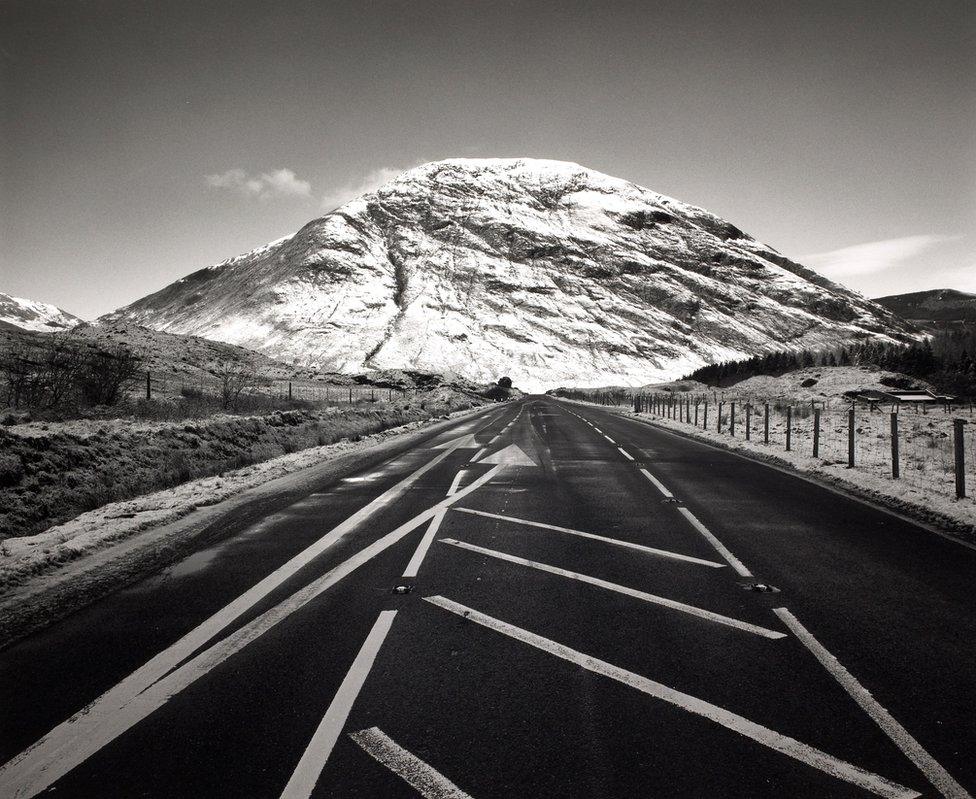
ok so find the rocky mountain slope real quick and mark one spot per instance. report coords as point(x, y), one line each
point(40, 317)
point(545, 271)
point(933, 309)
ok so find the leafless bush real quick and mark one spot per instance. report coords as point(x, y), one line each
point(61, 372)
point(105, 374)
point(234, 379)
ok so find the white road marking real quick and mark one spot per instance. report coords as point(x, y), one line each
point(622, 589)
point(313, 760)
point(664, 553)
point(911, 748)
point(598, 430)
point(478, 454)
point(421, 552)
point(455, 483)
point(732, 721)
point(610, 439)
point(626, 454)
point(731, 559)
point(420, 776)
point(657, 483)
point(85, 733)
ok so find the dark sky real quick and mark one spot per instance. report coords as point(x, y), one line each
point(842, 131)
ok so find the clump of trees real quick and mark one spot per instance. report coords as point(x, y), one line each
point(60, 372)
point(947, 360)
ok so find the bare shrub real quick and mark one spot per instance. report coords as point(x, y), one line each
point(234, 379)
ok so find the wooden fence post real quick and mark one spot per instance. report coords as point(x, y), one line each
point(718, 424)
point(696, 413)
point(789, 427)
point(850, 437)
point(732, 419)
point(748, 421)
point(895, 465)
point(960, 449)
point(816, 433)
point(289, 389)
point(766, 423)
point(705, 421)
point(148, 385)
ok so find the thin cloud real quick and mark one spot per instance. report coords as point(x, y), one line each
point(368, 183)
point(872, 257)
point(267, 185)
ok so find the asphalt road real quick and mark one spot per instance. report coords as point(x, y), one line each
point(577, 619)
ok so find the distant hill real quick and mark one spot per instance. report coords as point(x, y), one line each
point(933, 309)
point(16, 313)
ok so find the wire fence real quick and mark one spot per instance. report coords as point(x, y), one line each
point(233, 389)
point(929, 447)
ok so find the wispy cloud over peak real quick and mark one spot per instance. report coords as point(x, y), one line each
point(267, 185)
point(871, 257)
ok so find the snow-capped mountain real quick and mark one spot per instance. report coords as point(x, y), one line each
point(545, 271)
point(37, 316)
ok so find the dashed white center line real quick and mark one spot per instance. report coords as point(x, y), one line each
point(610, 439)
point(420, 776)
point(778, 742)
point(626, 454)
point(671, 604)
point(911, 748)
point(657, 483)
point(664, 553)
point(731, 559)
point(313, 760)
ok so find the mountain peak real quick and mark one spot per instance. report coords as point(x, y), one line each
point(545, 271)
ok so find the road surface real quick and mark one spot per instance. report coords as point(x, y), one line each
point(547, 600)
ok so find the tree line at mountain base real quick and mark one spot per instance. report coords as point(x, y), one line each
point(947, 360)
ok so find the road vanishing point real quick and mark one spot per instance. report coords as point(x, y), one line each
point(546, 599)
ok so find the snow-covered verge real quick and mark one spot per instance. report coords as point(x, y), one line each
point(24, 556)
point(924, 495)
point(53, 472)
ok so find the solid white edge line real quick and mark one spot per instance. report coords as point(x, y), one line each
point(419, 775)
point(626, 454)
point(316, 754)
point(664, 553)
point(671, 604)
point(778, 742)
point(478, 454)
point(911, 748)
point(657, 483)
point(732, 560)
